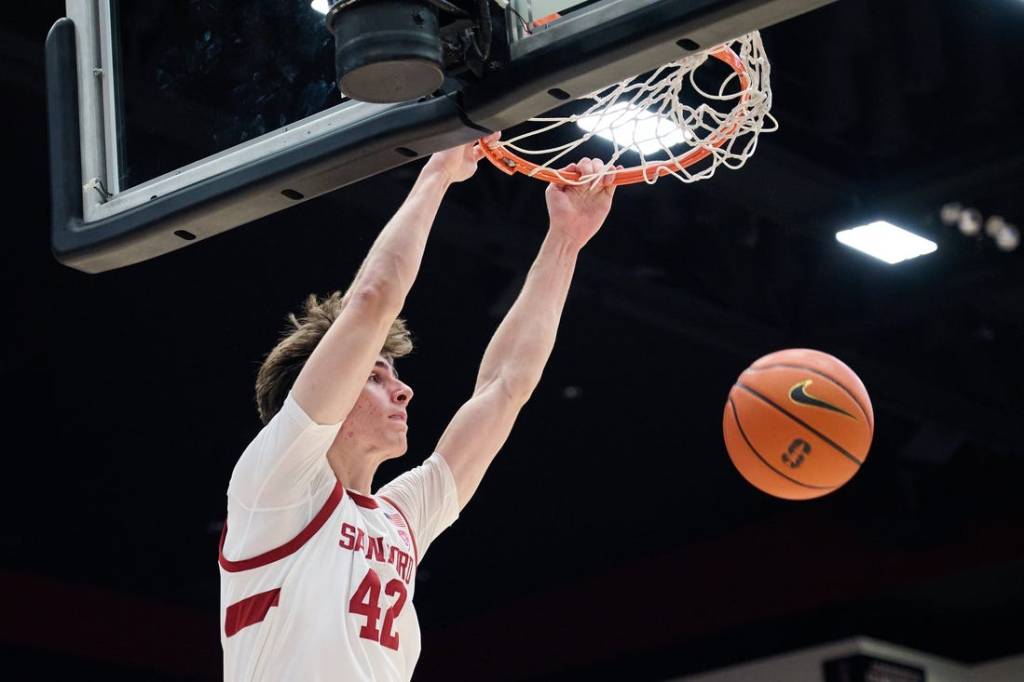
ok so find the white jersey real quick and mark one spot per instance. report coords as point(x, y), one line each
point(317, 581)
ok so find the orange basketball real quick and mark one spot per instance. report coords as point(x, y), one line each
point(798, 424)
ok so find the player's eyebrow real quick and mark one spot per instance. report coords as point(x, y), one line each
point(387, 366)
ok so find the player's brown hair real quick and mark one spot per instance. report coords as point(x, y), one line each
point(282, 365)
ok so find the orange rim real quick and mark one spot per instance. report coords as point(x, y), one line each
point(511, 163)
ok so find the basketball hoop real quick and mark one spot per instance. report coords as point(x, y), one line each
point(675, 126)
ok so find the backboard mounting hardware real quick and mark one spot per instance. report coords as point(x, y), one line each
point(97, 184)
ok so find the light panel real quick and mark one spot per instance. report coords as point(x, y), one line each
point(637, 129)
point(886, 242)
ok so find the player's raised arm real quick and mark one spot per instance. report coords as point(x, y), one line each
point(330, 381)
point(515, 357)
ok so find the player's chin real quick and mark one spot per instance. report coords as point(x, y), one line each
point(401, 447)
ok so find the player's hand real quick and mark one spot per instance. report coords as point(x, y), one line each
point(458, 163)
point(578, 211)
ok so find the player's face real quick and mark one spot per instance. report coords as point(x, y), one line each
point(380, 416)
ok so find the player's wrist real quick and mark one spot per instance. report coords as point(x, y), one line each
point(565, 239)
point(435, 171)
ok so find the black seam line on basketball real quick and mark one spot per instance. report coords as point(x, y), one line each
point(823, 376)
point(836, 383)
point(839, 448)
point(736, 416)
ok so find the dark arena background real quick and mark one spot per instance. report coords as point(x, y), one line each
point(612, 539)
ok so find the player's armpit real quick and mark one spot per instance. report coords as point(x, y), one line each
point(476, 433)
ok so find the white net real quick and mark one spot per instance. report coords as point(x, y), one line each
point(671, 120)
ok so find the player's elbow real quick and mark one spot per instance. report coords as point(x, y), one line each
point(514, 387)
point(376, 298)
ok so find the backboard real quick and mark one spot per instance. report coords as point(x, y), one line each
point(241, 98)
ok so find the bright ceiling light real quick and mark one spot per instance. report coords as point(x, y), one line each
point(969, 222)
point(634, 128)
point(886, 242)
point(1008, 238)
point(320, 6)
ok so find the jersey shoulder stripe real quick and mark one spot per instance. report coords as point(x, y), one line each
point(289, 547)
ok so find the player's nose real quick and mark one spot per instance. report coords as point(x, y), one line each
point(402, 394)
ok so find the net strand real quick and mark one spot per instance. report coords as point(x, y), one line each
point(647, 115)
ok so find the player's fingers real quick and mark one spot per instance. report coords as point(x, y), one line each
point(598, 180)
point(565, 173)
point(609, 178)
point(608, 186)
point(477, 149)
point(571, 171)
point(491, 138)
point(586, 169)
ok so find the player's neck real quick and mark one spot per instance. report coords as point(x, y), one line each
point(355, 470)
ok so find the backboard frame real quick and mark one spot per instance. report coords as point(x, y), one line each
point(97, 227)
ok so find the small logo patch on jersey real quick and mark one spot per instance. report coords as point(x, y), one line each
point(399, 521)
point(798, 394)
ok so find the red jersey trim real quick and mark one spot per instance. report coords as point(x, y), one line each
point(362, 500)
point(289, 547)
point(250, 611)
point(412, 534)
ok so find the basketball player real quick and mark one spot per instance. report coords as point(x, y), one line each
point(317, 573)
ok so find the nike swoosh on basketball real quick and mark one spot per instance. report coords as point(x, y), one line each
point(798, 394)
